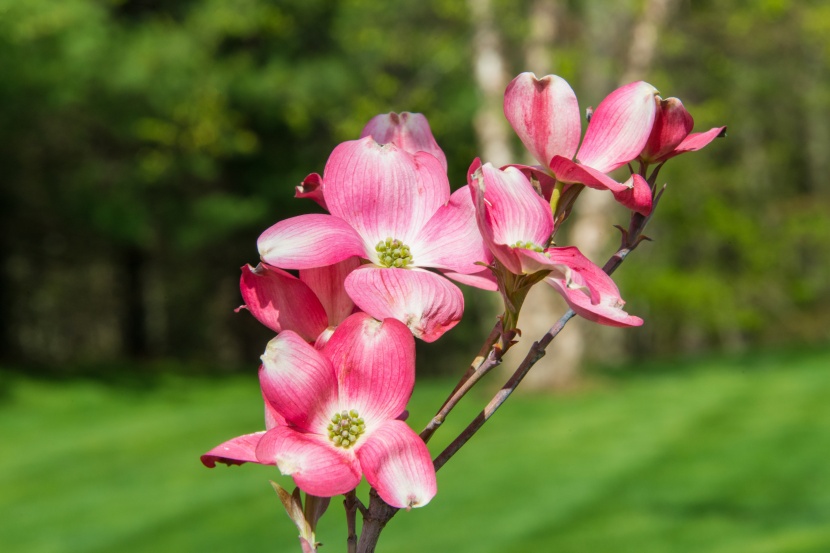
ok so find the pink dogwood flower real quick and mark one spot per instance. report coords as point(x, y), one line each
point(671, 134)
point(394, 209)
point(341, 407)
point(332, 415)
point(516, 223)
point(408, 131)
point(311, 305)
point(545, 114)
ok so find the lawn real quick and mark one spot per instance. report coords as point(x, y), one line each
point(719, 455)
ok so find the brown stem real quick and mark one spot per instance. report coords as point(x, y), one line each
point(374, 520)
point(350, 503)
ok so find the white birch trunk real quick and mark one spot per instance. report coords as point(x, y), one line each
point(491, 77)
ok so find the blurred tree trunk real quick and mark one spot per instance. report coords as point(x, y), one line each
point(591, 225)
point(491, 78)
point(594, 214)
point(543, 306)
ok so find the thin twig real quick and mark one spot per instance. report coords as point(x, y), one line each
point(536, 352)
point(468, 380)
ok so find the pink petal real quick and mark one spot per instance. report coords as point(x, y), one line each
point(317, 466)
point(408, 131)
point(451, 239)
point(545, 114)
point(237, 451)
point(608, 312)
point(281, 301)
point(375, 363)
point(272, 418)
point(427, 303)
point(327, 284)
point(508, 210)
point(384, 191)
point(672, 123)
point(309, 241)
point(533, 261)
point(698, 140)
point(397, 464)
point(588, 290)
point(298, 382)
point(619, 127)
point(635, 193)
point(545, 181)
point(483, 279)
point(312, 188)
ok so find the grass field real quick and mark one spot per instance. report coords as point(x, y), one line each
point(721, 455)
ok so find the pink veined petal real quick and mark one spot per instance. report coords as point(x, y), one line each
point(312, 188)
point(397, 464)
point(327, 284)
point(508, 210)
point(281, 301)
point(607, 312)
point(635, 194)
point(696, 141)
point(483, 279)
point(309, 241)
point(533, 261)
point(272, 418)
point(427, 303)
point(317, 466)
point(582, 272)
point(619, 127)
point(672, 123)
point(382, 190)
point(487, 225)
point(375, 364)
point(408, 131)
point(545, 181)
point(545, 114)
point(451, 239)
point(237, 451)
point(298, 382)
point(588, 290)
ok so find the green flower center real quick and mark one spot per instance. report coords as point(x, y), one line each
point(528, 246)
point(393, 253)
point(345, 428)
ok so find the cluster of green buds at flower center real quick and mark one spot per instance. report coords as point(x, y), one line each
point(393, 253)
point(528, 246)
point(345, 428)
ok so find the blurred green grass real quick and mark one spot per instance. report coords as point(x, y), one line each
point(718, 455)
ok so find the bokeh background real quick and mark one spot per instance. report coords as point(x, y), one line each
point(145, 144)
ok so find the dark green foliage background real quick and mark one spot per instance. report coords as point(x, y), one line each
point(145, 145)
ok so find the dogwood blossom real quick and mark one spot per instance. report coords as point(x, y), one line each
point(311, 305)
point(394, 209)
point(545, 114)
